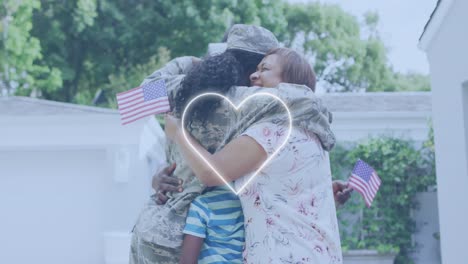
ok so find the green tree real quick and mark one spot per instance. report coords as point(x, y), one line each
point(88, 43)
point(101, 39)
point(125, 78)
point(63, 30)
point(343, 59)
point(411, 82)
point(22, 69)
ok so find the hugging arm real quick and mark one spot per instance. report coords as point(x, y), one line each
point(241, 156)
point(238, 158)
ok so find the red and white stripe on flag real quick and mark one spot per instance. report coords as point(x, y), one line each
point(365, 180)
point(148, 99)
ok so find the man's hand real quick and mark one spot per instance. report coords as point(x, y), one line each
point(163, 182)
point(341, 192)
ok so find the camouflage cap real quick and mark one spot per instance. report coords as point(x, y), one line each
point(251, 38)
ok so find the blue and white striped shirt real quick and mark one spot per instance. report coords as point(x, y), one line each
point(217, 216)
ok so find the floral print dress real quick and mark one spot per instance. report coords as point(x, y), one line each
point(289, 210)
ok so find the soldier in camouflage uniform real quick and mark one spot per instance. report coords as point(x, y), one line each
point(157, 235)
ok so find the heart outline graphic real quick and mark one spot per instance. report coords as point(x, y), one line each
point(237, 109)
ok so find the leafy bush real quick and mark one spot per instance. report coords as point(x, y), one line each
point(404, 170)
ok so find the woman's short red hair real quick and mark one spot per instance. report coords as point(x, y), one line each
point(295, 68)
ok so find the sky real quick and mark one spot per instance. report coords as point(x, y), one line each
point(400, 26)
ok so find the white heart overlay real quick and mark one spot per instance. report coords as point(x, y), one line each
point(237, 109)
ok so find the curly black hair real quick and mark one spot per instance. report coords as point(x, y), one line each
point(217, 74)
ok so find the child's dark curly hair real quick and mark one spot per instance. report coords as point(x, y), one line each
point(214, 74)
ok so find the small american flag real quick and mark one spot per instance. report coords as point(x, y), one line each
point(365, 180)
point(145, 100)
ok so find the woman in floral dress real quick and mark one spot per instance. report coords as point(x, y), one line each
point(288, 207)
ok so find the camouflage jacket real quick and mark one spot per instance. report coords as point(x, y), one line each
point(307, 111)
point(163, 224)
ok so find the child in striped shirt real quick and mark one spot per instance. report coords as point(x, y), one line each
point(214, 230)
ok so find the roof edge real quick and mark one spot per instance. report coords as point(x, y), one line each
point(400, 93)
point(433, 24)
point(62, 104)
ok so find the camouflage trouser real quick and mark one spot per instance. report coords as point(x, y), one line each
point(142, 252)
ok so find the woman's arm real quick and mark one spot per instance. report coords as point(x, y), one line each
point(238, 158)
point(191, 249)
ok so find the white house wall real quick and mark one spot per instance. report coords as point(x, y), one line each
point(57, 206)
point(71, 188)
point(355, 126)
point(60, 131)
point(448, 59)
